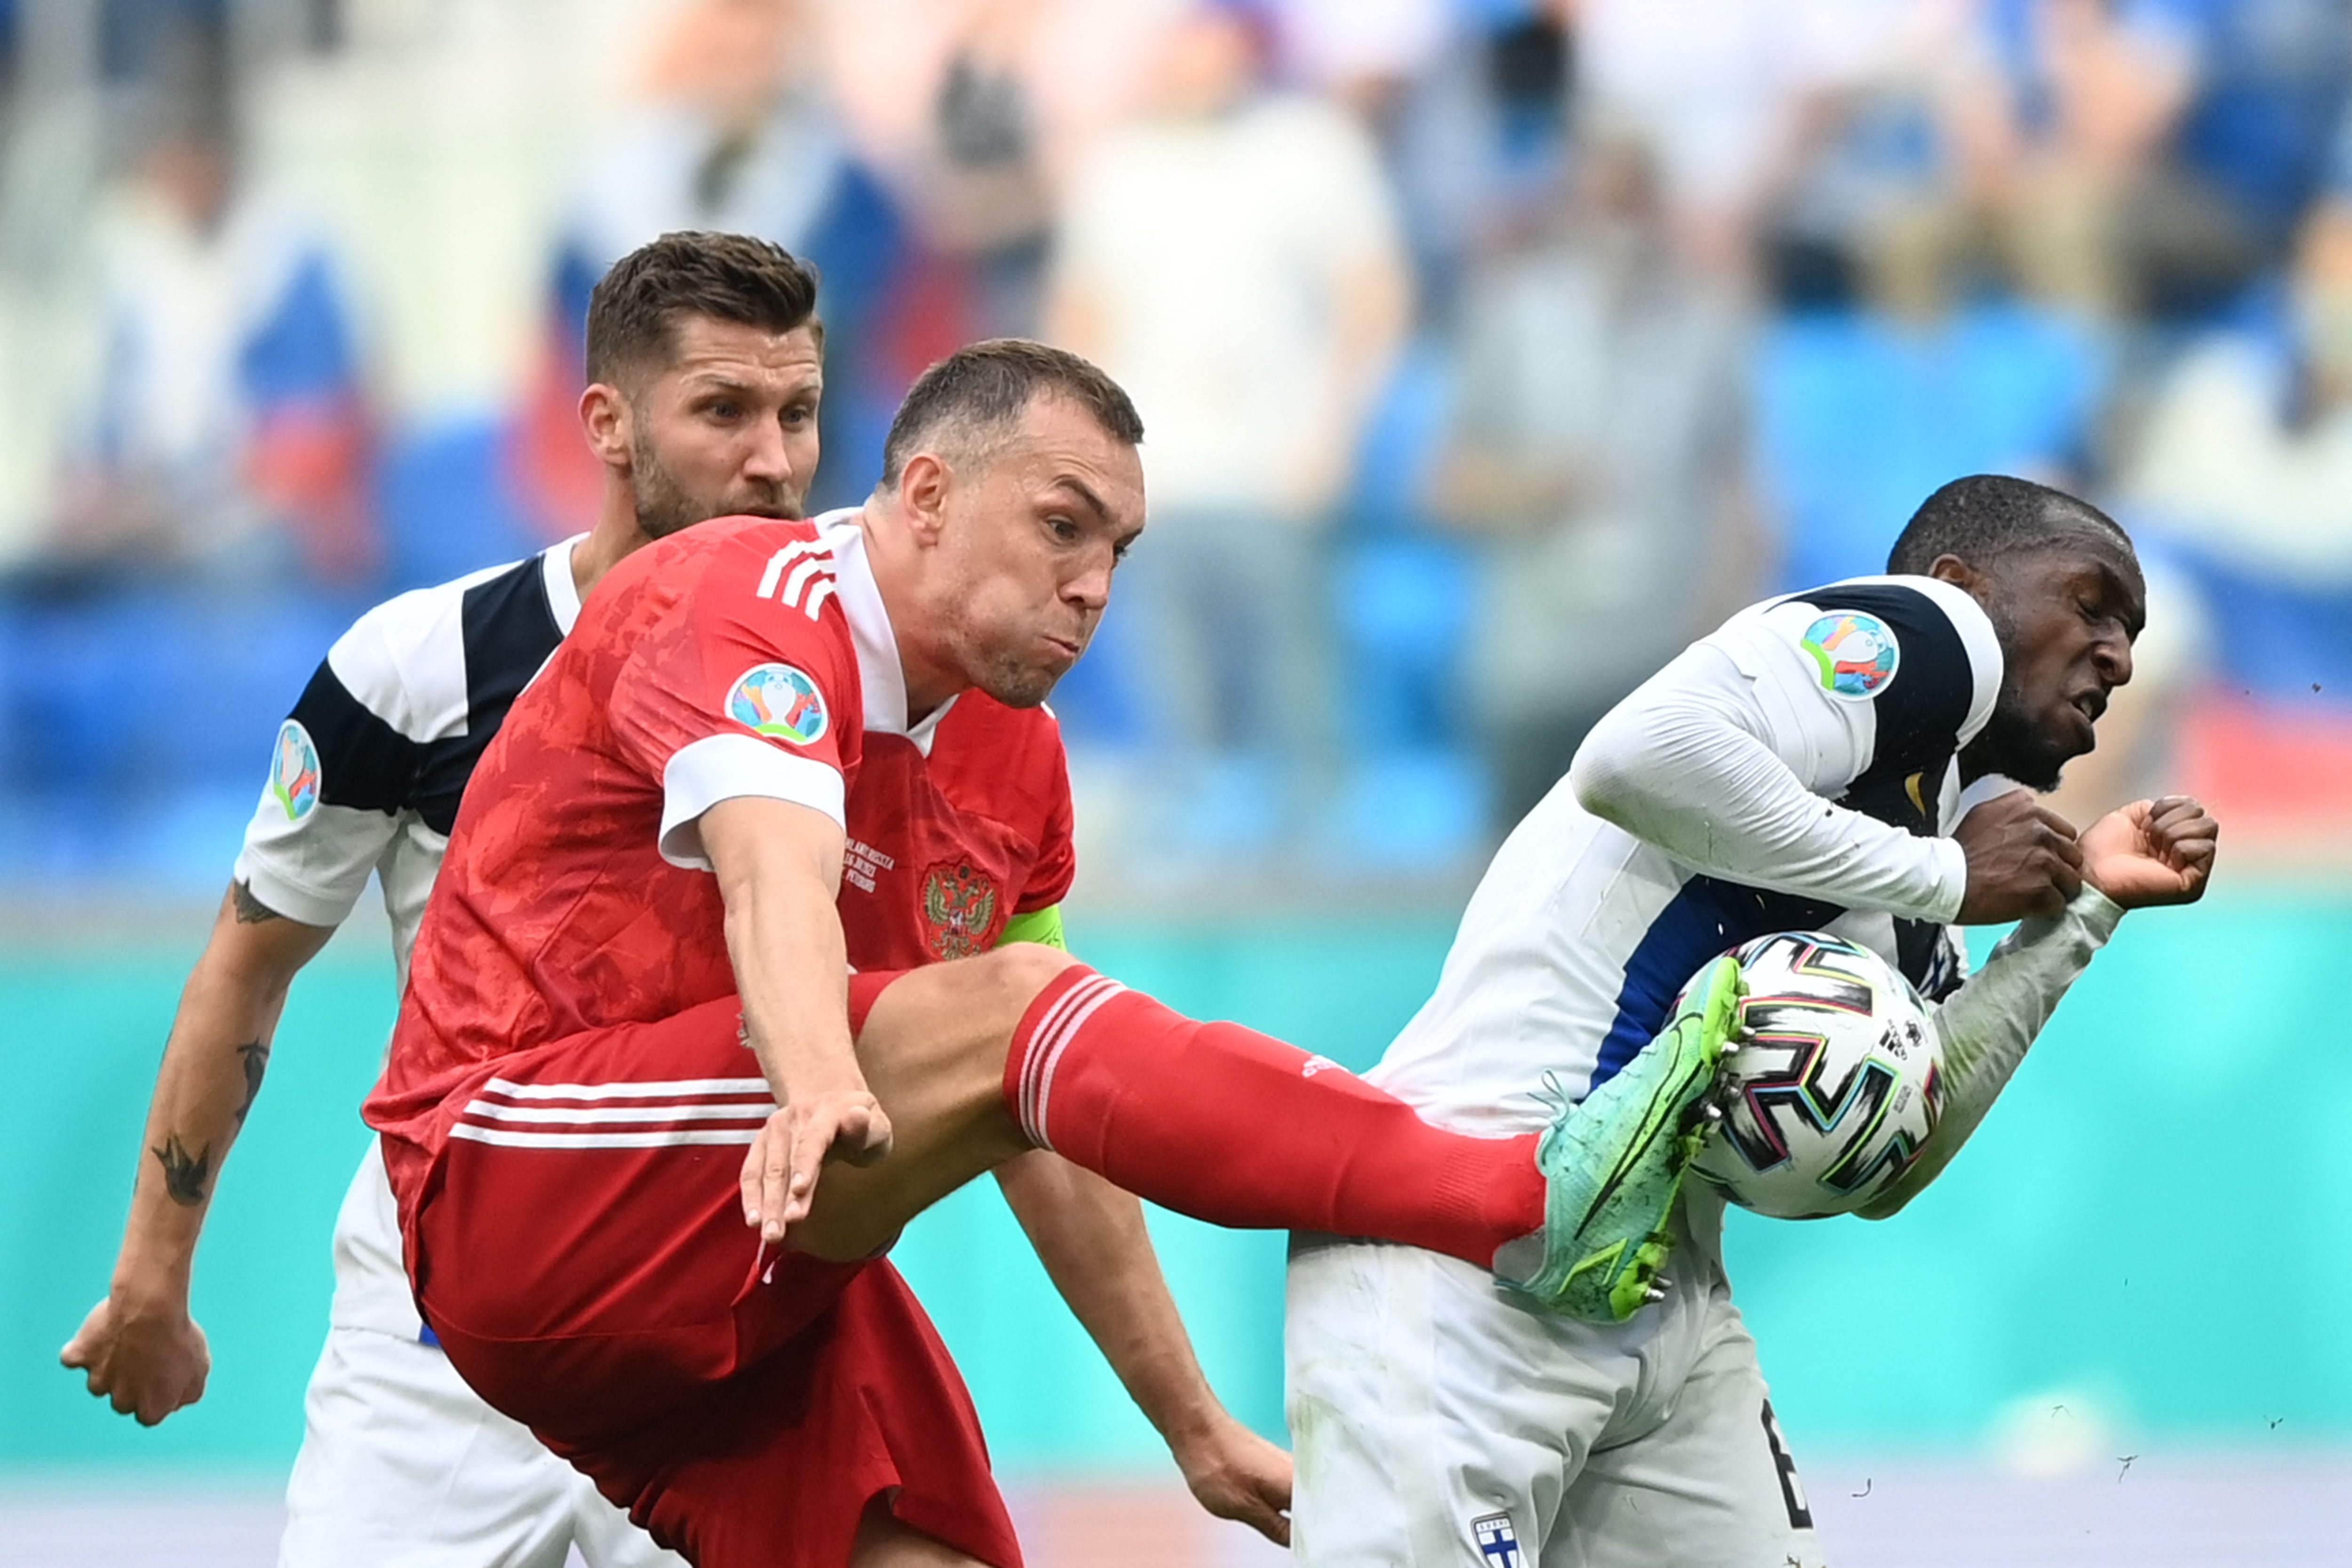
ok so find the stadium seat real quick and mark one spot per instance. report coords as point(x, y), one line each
point(448, 503)
point(1861, 417)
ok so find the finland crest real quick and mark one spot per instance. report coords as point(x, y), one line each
point(294, 771)
point(779, 700)
point(1497, 1542)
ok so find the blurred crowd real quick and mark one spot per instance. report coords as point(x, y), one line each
point(1488, 350)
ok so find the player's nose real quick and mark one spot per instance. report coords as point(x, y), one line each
point(769, 457)
point(2114, 657)
point(1090, 589)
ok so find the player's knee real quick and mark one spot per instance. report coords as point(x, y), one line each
point(1023, 969)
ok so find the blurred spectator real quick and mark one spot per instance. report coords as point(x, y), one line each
point(731, 131)
point(1476, 136)
point(2243, 474)
point(976, 176)
point(1902, 358)
point(973, 111)
point(230, 436)
point(1720, 90)
point(1599, 442)
point(1231, 257)
point(2247, 453)
point(2152, 155)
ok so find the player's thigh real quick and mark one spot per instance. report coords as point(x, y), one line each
point(883, 1542)
point(1433, 1422)
point(777, 1465)
point(1712, 1486)
point(932, 1046)
point(402, 1464)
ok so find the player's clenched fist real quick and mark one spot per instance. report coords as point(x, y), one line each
point(147, 1364)
point(2022, 860)
point(780, 1171)
point(2152, 852)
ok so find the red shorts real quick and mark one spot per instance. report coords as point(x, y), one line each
point(579, 1251)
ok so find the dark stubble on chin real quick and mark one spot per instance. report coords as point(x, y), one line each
point(664, 507)
point(2012, 744)
point(1018, 687)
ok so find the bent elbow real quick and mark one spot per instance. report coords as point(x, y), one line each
point(1600, 777)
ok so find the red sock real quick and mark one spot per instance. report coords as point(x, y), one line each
point(1233, 1127)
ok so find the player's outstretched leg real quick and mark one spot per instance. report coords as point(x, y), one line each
point(1027, 1048)
point(1615, 1163)
point(980, 1059)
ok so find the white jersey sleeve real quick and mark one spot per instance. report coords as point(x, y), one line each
point(1808, 747)
point(1987, 1024)
point(370, 767)
point(340, 774)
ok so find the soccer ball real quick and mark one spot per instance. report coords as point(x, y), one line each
point(1833, 1088)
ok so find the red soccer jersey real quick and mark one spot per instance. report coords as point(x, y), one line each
point(741, 657)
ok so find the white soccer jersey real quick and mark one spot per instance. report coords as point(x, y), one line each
point(401, 1463)
point(1795, 770)
point(371, 764)
point(367, 774)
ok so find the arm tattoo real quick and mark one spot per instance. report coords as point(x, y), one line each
point(250, 910)
point(256, 1057)
point(187, 1179)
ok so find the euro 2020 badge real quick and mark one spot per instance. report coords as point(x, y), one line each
point(294, 771)
point(1856, 653)
point(781, 700)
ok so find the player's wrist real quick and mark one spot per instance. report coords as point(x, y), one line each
point(152, 1288)
point(809, 1081)
point(1194, 1427)
point(2099, 912)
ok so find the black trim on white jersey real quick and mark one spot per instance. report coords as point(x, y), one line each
point(1919, 716)
point(508, 629)
point(365, 763)
point(1921, 711)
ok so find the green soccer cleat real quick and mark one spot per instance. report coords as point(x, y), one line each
point(1615, 1161)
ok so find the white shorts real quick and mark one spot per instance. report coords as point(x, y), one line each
point(1438, 1423)
point(402, 1466)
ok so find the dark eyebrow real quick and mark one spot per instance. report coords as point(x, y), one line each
point(1085, 493)
point(704, 381)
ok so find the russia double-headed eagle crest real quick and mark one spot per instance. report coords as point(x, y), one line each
point(960, 909)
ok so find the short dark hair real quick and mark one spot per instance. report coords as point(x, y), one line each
point(972, 399)
point(632, 313)
point(1986, 516)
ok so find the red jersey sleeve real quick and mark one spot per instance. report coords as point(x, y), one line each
point(746, 684)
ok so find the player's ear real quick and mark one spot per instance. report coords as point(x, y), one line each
point(1948, 568)
point(923, 482)
point(608, 421)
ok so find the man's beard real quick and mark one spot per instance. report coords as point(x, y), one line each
point(1016, 685)
point(2014, 747)
point(664, 507)
point(1016, 682)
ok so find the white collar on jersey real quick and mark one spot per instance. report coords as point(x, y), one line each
point(563, 588)
point(878, 670)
